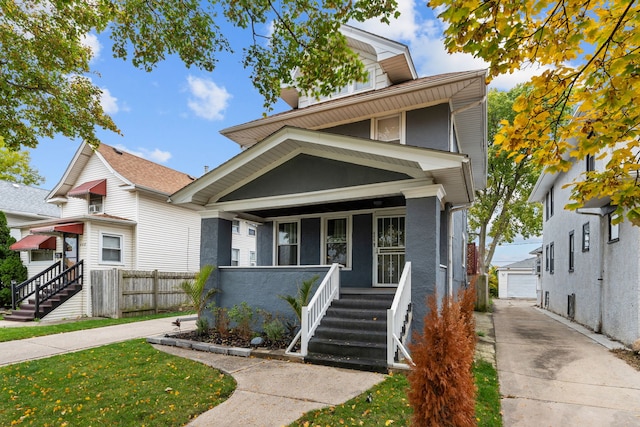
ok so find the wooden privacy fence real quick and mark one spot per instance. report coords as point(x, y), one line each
point(127, 293)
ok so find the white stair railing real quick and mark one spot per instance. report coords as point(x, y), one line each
point(399, 317)
point(313, 313)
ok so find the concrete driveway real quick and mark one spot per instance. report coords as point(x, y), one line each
point(552, 375)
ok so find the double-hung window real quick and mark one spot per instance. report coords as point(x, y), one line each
point(551, 257)
point(235, 256)
point(337, 241)
point(586, 237)
point(111, 249)
point(571, 251)
point(614, 228)
point(287, 243)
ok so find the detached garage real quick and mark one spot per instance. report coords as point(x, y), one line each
point(518, 280)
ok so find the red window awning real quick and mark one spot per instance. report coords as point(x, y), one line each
point(33, 242)
point(70, 227)
point(98, 187)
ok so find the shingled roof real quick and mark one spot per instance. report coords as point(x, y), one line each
point(24, 200)
point(144, 173)
point(135, 171)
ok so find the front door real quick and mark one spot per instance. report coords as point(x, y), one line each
point(389, 250)
point(70, 249)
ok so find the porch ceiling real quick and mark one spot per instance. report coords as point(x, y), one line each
point(424, 166)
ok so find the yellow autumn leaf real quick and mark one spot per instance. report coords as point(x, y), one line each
point(388, 422)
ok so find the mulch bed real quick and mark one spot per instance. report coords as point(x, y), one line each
point(628, 356)
point(232, 340)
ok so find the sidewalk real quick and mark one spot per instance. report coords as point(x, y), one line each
point(51, 345)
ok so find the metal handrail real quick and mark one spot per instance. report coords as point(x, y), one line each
point(24, 290)
point(313, 313)
point(399, 318)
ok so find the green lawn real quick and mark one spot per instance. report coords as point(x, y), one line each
point(124, 384)
point(388, 405)
point(22, 332)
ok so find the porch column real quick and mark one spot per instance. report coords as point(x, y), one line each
point(215, 247)
point(423, 247)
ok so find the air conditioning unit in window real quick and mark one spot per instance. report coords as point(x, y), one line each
point(95, 209)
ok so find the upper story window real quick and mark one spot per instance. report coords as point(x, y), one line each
point(287, 243)
point(235, 226)
point(251, 231)
point(252, 258)
point(235, 256)
point(96, 203)
point(586, 237)
point(548, 203)
point(388, 129)
point(590, 163)
point(551, 258)
point(614, 229)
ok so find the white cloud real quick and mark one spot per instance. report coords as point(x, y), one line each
point(91, 41)
point(108, 101)
point(208, 100)
point(155, 155)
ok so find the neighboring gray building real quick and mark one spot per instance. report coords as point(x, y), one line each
point(375, 179)
point(21, 203)
point(590, 267)
point(518, 280)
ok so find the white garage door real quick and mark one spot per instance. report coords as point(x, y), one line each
point(521, 286)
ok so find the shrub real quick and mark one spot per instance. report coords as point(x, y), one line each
point(302, 298)
point(244, 317)
point(222, 323)
point(274, 330)
point(195, 289)
point(442, 389)
point(202, 326)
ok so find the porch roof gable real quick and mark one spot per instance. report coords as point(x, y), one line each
point(452, 170)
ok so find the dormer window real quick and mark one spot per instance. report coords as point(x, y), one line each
point(351, 88)
point(95, 204)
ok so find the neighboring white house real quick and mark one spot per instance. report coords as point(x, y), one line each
point(518, 280)
point(591, 267)
point(21, 203)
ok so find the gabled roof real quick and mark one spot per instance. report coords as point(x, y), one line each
point(138, 173)
point(424, 166)
point(465, 92)
point(525, 264)
point(26, 201)
point(393, 57)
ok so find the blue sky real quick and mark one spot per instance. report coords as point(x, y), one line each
point(173, 115)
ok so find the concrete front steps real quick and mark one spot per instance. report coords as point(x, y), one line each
point(27, 311)
point(353, 333)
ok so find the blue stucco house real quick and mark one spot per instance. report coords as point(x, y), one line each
point(367, 189)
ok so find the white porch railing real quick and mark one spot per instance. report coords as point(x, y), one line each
point(399, 317)
point(313, 313)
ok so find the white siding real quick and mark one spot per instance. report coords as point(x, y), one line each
point(168, 237)
point(244, 243)
point(117, 202)
point(71, 309)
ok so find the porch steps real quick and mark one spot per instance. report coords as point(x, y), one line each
point(353, 333)
point(27, 311)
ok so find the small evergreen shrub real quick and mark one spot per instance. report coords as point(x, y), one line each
point(442, 389)
point(274, 330)
point(244, 317)
point(202, 326)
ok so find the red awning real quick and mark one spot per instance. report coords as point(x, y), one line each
point(98, 187)
point(70, 227)
point(33, 242)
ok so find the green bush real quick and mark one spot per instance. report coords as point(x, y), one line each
point(244, 317)
point(274, 330)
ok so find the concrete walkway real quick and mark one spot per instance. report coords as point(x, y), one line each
point(51, 345)
point(552, 375)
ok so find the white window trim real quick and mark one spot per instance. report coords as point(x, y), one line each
point(121, 237)
point(239, 226)
point(237, 260)
point(276, 239)
point(323, 240)
point(374, 126)
point(350, 88)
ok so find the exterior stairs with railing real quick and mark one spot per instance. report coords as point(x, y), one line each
point(43, 293)
point(353, 332)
